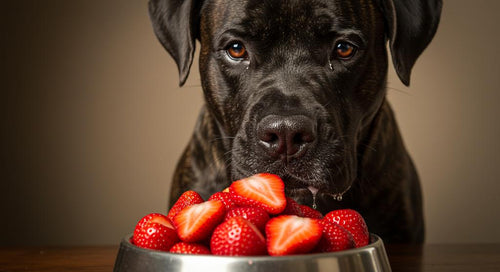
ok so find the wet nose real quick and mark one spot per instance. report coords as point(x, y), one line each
point(286, 136)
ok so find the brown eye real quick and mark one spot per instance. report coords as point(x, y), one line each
point(237, 51)
point(344, 50)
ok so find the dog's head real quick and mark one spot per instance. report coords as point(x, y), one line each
point(294, 84)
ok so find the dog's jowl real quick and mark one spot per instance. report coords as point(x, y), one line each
point(298, 88)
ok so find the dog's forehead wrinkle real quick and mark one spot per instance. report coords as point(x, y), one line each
point(263, 20)
point(310, 17)
point(271, 19)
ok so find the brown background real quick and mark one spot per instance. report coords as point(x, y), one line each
point(93, 121)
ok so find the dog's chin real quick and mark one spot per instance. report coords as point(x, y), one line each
point(308, 193)
point(303, 196)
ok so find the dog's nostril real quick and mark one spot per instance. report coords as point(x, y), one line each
point(285, 135)
point(269, 138)
point(302, 137)
point(297, 139)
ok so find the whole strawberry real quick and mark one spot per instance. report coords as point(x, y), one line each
point(353, 222)
point(254, 215)
point(237, 237)
point(189, 248)
point(292, 208)
point(225, 198)
point(334, 238)
point(188, 198)
point(310, 212)
point(155, 231)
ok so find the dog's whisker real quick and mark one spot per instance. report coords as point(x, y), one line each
point(213, 140)
point(399, 90)
point(192, 86)
point(369, 146)
point(327, 103)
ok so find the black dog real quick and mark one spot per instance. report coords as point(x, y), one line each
point(298, 88)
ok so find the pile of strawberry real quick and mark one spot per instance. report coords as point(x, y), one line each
point(252, 217)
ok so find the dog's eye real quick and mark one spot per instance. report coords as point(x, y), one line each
point(344, 50)
point(237, 51)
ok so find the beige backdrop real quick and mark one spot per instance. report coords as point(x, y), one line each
point(93, 121)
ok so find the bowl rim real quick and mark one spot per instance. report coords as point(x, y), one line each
point(375, 242)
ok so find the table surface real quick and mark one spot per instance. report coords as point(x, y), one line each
point(470, 257)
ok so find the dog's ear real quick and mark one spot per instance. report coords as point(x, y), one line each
point(176, 24)
point(411, 27)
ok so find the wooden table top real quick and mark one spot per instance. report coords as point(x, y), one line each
point(471, 257)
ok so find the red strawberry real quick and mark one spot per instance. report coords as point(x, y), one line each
point(154, 231)
point(290, 234)
point(310, 212)
point(292, 208)
point(353, 222)
point(266, 191)
point(225, 198)
point(189, 248)
point(196, 222)
point(334, 238)
point(188, 198)
point(237, 237)
point(254, 215)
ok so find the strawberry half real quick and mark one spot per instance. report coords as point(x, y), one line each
point(310, 212)
point(196, 222)
point(266, 191)
point(254, 215)
point(225, 198)
point(237, 237)
point(155, 231)
point(188, 198)
point(290, 234)
point(189, 248)
point(353, 222)
point(334, 238)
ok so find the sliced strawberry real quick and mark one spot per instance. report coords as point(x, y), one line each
point(155, 231)
point(266, 191)
point(188, 198)
point(237, 237)
point(254, 215)
point(189, 248)
point(196, 222)
point(225, 198)
point(292, 208)
point(290, 234)
point(353, 222)
point(310, 212)
point(334, 238)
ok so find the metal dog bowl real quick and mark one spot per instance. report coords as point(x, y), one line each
point(372, 257)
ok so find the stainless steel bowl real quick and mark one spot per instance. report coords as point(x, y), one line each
point(372, 257)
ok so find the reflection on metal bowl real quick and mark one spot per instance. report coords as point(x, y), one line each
point(369, 258)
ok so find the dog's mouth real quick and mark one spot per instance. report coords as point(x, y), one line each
point(304, 192)
point(320, 184)
point(308, 192)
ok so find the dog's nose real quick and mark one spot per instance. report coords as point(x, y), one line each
point(286, 136)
